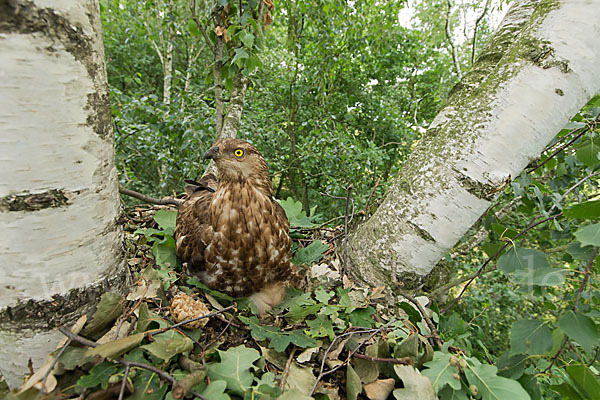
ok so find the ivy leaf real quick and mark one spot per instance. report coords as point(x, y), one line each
point(589, 235)
point(168, 344)
point(322, 295)
point(580, 328)
point(529, 336)
point(362, 317)
point(278, 340)
point(584, 379)
point(586, 210)
point(440, 372)
point(216, 391)
point(320, 327)
point(310, 254)
point(166, 220)
point(492, 386)
point(234, 368)
point(147, 386)
point(98, 375)
point(294, 213)
point(164, 252)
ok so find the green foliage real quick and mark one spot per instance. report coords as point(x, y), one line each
point(235, 368)
point(278, 340)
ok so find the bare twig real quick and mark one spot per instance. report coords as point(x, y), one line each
point(348, 198)
point(124, 382)
point(177, 325)
point(47, 374)
point(477, 21)
point(451, 41)
point(323, 374)
point(200, 26)
point(286, 371)
point(586, 277)
point(76, 338)
point(399, 361)
point(147, 199)
point(435, 336)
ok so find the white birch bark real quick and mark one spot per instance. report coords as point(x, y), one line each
point(61, 245)
point(539, 69)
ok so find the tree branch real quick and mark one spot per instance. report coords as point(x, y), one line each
point(147, 199)
point(451, 42)
point(477, 21)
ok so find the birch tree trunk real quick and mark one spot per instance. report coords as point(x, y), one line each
point(539, 69)
point(61, 246)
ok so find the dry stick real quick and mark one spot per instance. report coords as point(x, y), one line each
point(286, 370)
point(166, 376)
point(480, 270)
point(124, 382)
point(348, 197)
point(435, 336)
point(323, 374)
point(477, 21)
point(47, 374)
point(561, 148)
point(399, 361)
point(147, 199)
point(177, 325)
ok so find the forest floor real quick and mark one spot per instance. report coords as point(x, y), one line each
point(171, 337)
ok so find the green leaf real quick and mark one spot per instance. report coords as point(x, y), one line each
point(414, 315)
point(320, 327)
point(310, 254)
point(168, 344)
point(566, 391)
point(530, 267)
point(239, 57)
point(492, 386)
point(589, 235)
point(580, 328)
point(353, 385)
point(116, 348)
point(578, 252)
point(164, 252)
point(511, 366)
point(585, 380)
point(98, 375)
point(529, 336)
point(416, 386)
point(278, 339)
point(108, 309)
point(234, 368)
point(588, 154)
point(322, 295)
point(216, 391)
point(440, 372)
point(248, 39)
point(147, 386)
point(193, 28)
point(297, 217)
point(586, 210)
point(166, 220)
point(362, 317)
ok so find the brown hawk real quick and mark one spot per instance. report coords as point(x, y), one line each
point(231, 232)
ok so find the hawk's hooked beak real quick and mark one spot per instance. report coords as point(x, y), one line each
point(211, 153)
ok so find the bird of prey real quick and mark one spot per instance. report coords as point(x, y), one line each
point(231, 232)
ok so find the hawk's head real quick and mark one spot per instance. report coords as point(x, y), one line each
point(237, 160)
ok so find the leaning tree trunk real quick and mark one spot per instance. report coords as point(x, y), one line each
point(538, 70)
point(61, 246)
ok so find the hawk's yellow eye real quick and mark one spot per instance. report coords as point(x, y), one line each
point(239, 152)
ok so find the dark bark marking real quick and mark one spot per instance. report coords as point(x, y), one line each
point(34, 202)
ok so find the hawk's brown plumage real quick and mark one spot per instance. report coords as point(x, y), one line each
point(237, 237)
